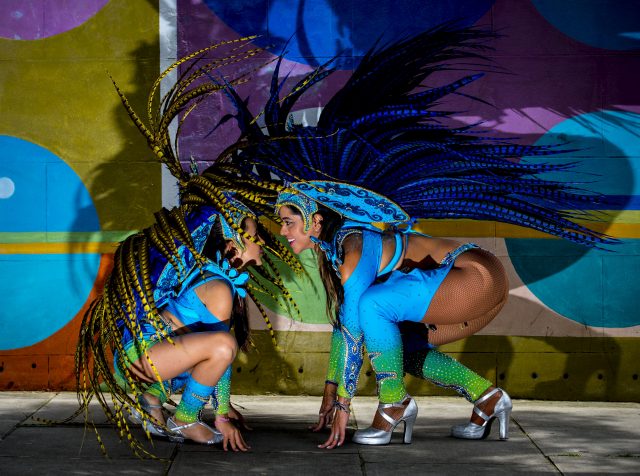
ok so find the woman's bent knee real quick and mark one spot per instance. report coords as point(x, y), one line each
point(223, 346)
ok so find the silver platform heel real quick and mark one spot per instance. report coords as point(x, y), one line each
point(502, 411)
point(374, 436)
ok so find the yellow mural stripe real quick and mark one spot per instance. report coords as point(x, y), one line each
point(65, 237)
point(619, 224)
point(55, 248)
point(453, 229)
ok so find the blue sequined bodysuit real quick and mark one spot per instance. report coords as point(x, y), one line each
point(375, 303)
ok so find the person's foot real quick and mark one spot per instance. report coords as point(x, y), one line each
point(379, 423)
point(487, 407)
point(196, 431)
point(493, 404)
point(388, 417)
point(154, 408)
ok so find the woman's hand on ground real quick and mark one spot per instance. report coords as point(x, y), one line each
point(338, 427)
point(231, 436)
point(325, 416)
point(236, 417)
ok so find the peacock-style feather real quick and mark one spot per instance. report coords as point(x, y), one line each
point(386, 131)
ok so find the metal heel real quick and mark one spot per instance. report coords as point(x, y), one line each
point(503, 418)
point(502, 411)
point(408, 428)
point(375, 436)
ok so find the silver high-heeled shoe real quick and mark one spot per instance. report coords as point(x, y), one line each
point(136, 417)
point(502, 411)
point(177, 436)
point(374, 436)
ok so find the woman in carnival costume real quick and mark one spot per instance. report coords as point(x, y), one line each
point(177, 288)
point(381, 157)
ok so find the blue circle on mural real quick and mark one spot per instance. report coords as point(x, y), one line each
point(318, 30)
point(40, 195)
point(594, 287)
point(610, 25)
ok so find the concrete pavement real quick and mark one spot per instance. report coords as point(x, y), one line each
point(545, 438)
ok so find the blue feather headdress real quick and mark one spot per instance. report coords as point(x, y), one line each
point(381, 131)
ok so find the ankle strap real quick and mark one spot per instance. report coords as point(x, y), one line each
point(487, 396)
point(397, 404)
point(382, 406)
point(144, 403)
point(175, 427)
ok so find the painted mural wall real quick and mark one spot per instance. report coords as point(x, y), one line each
point(76, 177)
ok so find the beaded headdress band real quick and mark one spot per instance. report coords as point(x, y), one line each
point(352, 202)
point(302, 203)
point(238, 212)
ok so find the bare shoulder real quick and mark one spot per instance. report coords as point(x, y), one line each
point(352, 248)
point(217, 297)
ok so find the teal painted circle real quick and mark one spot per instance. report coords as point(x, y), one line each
point(606, 145)
point(40, 193)
point(41, 294)
point(610, 25)
point(593, 287)
point(46, 195)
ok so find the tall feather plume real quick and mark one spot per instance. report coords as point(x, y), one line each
point(386, 131)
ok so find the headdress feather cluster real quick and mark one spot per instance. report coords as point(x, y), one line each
point(385, 131)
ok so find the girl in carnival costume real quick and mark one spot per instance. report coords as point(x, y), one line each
point(379, 158)
point(177, 288)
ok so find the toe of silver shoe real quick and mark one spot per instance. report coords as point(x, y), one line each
point(469, 431)
point(371, 436)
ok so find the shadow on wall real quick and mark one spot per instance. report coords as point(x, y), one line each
point(554, 368)
point(126, 188)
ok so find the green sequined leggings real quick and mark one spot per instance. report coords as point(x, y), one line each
point(446, 372)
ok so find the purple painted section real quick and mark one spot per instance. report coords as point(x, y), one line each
point(198, 28)
point(37, 19)
point(547, 77)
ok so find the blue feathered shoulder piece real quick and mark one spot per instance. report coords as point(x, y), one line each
point(386, 132)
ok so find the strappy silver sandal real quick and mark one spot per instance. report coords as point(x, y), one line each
point(375, 436)
point(502, 411)
point(177, 436)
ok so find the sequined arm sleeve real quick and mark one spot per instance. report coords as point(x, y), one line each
point(350, 362)
point(222, 393)
point(337, 345)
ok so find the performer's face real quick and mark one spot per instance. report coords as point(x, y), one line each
point(293, 229)
point(252, 253)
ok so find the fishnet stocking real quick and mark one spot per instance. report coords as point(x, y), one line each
point(468, 299)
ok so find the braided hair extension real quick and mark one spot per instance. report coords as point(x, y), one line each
point(128, 293)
